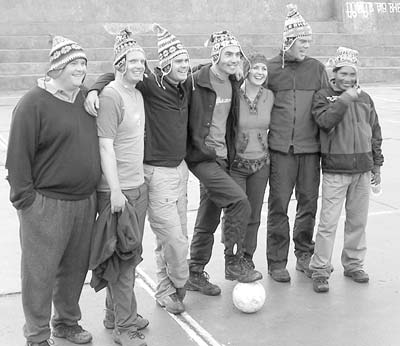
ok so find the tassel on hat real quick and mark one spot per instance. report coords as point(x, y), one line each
point(124, 43)
point(219, 41)
point(62, 52)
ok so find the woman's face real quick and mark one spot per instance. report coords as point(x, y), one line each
point(258, 74)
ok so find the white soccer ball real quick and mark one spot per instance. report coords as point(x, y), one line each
point(248, 297)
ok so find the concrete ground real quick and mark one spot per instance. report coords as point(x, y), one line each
point(293, 315)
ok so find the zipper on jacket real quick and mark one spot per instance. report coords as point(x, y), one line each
point(294, 108)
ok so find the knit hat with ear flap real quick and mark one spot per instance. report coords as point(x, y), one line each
point(124, 43)
point(219, 41)
point(63, 51)
point(295, 27)
point(345, 57)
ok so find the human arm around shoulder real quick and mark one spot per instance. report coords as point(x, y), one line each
point(376, 144)
point(92, 98)
point(22, 146)
point(110, 114)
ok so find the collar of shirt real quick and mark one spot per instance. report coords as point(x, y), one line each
point(45, 84)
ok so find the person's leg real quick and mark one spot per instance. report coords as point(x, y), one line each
point(255, 189)
point(43, 242)
point(283, 172)
point(167, 204)
point(307, 186)
point(334, 188)
point(355, 245)
point(77, 220)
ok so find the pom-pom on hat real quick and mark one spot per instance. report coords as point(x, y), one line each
point(169, 47)
point(295, 27)
point(62, 52)
point(345, 57)
point(124, 43)
point(219, 41)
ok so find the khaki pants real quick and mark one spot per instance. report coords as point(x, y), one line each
point(353, 189)
point(166, 211)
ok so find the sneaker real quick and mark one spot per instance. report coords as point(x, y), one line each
point(241, 270)
point(128, 338)
point(109, 321)
point(303, 264)
point(171, 303)
point(320, 285)
point(181, 293)
point(200, 281)
point(75, 334)
point(48, 342)
point(359, 276)
point(279, 275)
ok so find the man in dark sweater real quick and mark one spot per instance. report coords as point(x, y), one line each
point(53, 168)
point(166, 174)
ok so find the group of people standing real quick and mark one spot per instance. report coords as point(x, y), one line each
point(86, 166)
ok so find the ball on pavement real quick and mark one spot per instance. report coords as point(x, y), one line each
point(248, 297)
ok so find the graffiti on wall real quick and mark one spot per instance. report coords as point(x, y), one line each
point(365, 9)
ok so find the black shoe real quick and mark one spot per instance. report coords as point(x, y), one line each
point(200, 281)
point(248, 261)
point(280, 275)
point(320, 285)
point(48, 342)
point(241, 270)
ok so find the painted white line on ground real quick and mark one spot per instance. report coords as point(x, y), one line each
point(386, 99)
point(189, 325)
point(385, 212)
point(3, 142)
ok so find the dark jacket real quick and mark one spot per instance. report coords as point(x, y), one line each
point(291, 120)
point(166, 111)
point(116, 237)
point(350, 134)
point(201, 109)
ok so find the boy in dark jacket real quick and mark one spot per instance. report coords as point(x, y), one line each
point(351, 157)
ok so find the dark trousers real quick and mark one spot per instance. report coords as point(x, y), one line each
point(55, 242)
point(289, 171)
point(217, 191)
point(254, 184)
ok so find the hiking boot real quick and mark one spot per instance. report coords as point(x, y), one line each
point(359, 276)
point(75, 334)
point(109, 321)
point(171, 303)
point(128, 338)
point(248, 261)
point(320, 285)
point(303, 264)
point(280, 275)
point(181, 293)
point(241, 270)
point(200, 281)
point(48, 342)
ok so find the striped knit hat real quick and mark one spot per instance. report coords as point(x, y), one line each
point(220, 40)
point(295, 27)
point(62, 52)
point(345, 57)
point(124, 43)
point(169, 47)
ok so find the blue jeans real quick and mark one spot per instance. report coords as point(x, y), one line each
point(291, 171)
point(254, 184)
point(217, 191)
